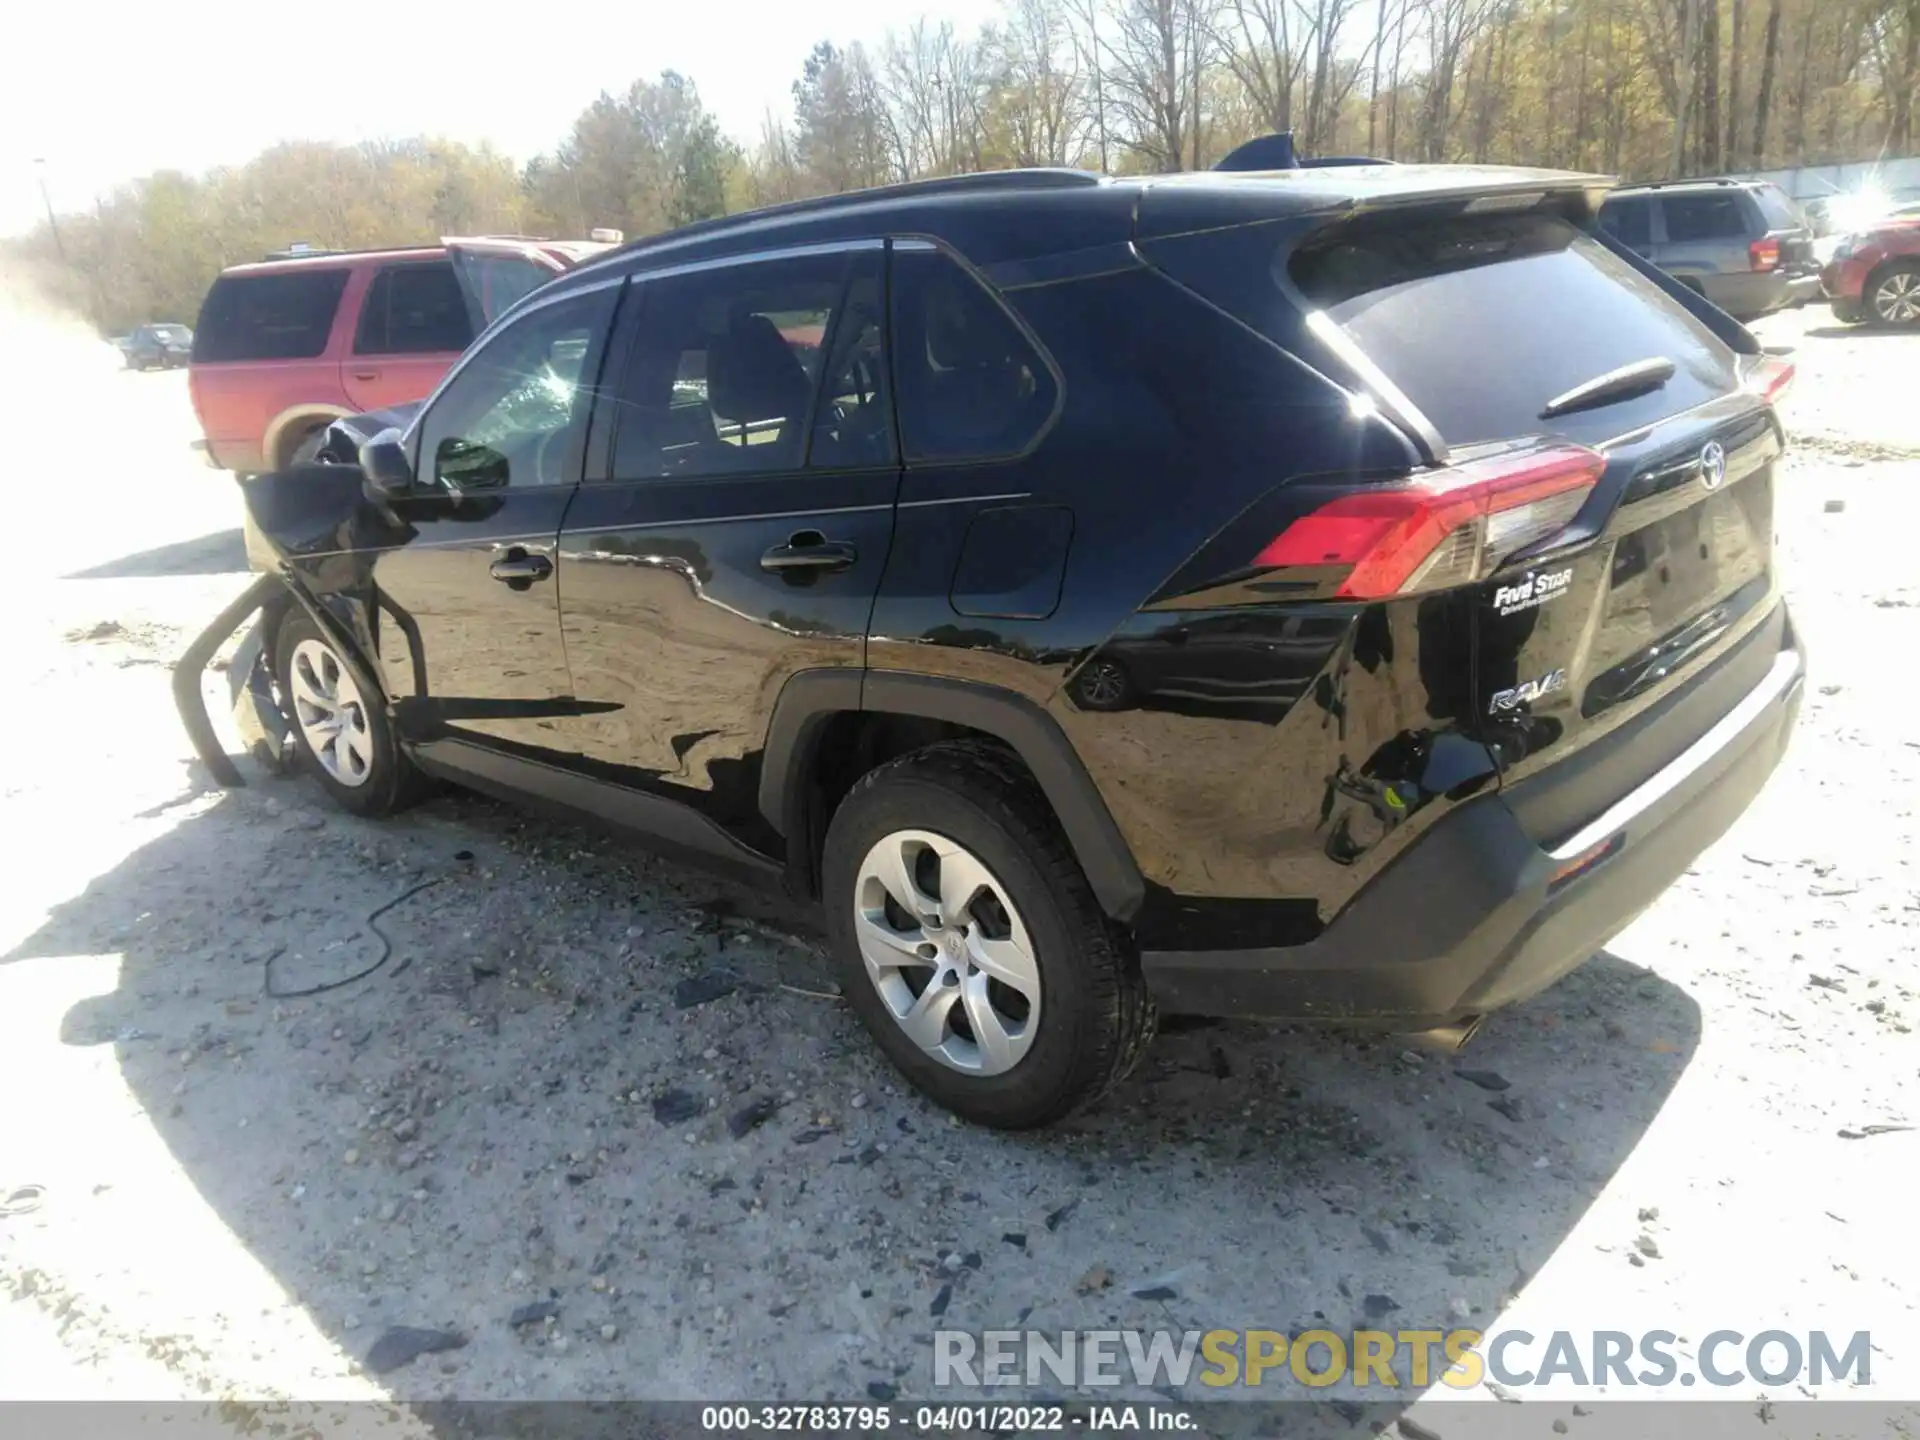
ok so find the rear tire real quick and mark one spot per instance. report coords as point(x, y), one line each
point(343, 736)
point(998, 908)
point(1892, 295)
point(1102, 685)
point(307, 449)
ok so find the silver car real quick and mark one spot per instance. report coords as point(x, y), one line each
point(1742, 243)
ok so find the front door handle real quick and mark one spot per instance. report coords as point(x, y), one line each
point(808, 552)
point(518, 570)
point(366, 374)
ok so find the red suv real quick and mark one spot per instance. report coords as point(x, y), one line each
point(1875, 275)
point(284, 347)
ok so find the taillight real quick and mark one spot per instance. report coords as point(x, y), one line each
point(1764, 254)
point(1770, 379)
point(1443, 527)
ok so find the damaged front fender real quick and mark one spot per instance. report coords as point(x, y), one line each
point(265, 729)
point(188, 695)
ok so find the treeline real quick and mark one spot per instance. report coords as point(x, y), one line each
point(1639, 88)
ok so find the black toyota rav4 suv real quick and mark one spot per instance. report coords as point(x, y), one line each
point(1339, 595)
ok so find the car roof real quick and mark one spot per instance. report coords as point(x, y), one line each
point(1007, 216)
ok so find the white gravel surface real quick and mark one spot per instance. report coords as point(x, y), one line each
point(237, 1195)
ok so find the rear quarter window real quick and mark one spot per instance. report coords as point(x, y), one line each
point(413, 309)
point(1481, 321)
point(285, 315)
point(1629, 221)
point(970, 384)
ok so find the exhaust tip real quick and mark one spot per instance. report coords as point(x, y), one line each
point(1449, 1039)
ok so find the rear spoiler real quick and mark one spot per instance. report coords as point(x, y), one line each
point(1277, 152)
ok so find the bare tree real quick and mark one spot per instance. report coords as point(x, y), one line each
point(1154, 65)
point(1087, 51)
point(1037, 83)
point(1257, 48)
point(1769, 56)
point(1707, 68)
point(1451, 28)
point(1735, 57)
point(1322, 24)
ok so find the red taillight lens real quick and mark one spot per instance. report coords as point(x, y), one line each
point(1770, 379)
point(1446, 527)
point(1764, 254)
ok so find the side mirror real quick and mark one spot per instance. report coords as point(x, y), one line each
point(383, 460)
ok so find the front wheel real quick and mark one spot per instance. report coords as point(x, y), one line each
point(1894, 295)
point(970, 944)
point(1847, 312)
point(343, 735)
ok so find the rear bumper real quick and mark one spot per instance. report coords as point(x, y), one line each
point(1476, 915)
point(1803, 289)
point(1760, 292)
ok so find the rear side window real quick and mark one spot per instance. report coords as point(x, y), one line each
point(1481, 321)
point(275, 316)
point(971, 386)
point(415, 309)
point(1704, 217)
point(725, 367)
point(1628, 221)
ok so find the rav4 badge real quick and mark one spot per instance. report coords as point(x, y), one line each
point(1508, 700)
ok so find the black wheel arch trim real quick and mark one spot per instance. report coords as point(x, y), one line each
point(811, 698)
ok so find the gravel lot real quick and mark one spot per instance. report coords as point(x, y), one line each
point(542, 1099)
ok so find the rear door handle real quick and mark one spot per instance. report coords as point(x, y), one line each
point(518, 570)
point(366, 374)
point(809, 552)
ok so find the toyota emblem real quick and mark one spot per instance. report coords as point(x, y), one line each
point(1713, 465)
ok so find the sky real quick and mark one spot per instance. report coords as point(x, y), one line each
point(107, 93)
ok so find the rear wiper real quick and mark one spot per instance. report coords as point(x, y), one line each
point(1624, 383)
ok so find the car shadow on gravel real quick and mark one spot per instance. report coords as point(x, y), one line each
point(596, 1081)
point(1858, 332)
point(221, 553)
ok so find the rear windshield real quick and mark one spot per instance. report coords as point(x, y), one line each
point(1778, 207)
point(276, 316)
point(1482, 320)
point(498, 282)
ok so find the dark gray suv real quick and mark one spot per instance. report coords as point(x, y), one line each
point(1742, 243)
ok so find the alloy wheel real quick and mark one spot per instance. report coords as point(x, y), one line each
point(947, 952)
point(1102, 684)
point(330, 712)
point(1896, 299)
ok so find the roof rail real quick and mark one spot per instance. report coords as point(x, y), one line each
point(317, 252)
point(1055, 178)
point(1701, 180)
